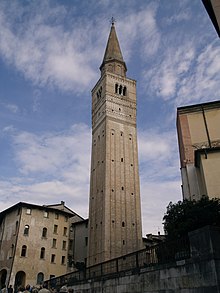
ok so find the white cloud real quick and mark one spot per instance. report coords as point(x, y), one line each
point(48, 53)
point(53, 152)
point(158, 155)
point(159, 176)
point(9, 128)
point(166, 75)
point(155, 197)
point(54, 167)
point(12, 108)
point(44, 51)
point(141, 27)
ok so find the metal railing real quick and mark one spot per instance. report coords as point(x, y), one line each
point(163, 253)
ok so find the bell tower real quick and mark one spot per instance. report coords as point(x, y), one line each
point(114, 206)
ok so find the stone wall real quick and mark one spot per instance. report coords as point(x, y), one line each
point(200, 273)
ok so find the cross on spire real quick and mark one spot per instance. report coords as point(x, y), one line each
point(113, 20)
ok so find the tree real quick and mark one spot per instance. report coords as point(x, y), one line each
point(185, 216)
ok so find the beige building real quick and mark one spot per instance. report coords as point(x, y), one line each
point(114, 207)
point(199, 145)
point(34, 243)
point(213, 9)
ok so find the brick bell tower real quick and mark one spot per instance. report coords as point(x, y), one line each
point(114, 208)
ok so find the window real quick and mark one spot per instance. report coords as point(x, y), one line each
point(70, 244)
point(65, 231)
point(40, 278)
point(64, 245)
point(116, 88)
point(28, 211)
point(120, 90)
point(86, 241)
point(63, 260)
point(12, 251)
point(56, 216)
point(54, 243)
point(46, 214)
point(42, 252)
point(24, 250)
point(26, 230)
point(123, 224)
point(55, 228)
point(16, 227)
point(70, 260)
point(44, 232)
point(53, 256)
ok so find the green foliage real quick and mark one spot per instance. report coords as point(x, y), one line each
point(185, 216)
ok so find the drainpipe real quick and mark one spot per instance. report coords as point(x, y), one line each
point(206, 127)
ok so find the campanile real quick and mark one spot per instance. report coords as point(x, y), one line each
point(114, 205)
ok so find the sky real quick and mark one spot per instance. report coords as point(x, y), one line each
point(50, 53)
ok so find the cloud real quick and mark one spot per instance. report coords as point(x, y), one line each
point(203, 82)
point(158, 155)
point(141, 27)
point(159, 177)
point(175, 64)
point(53, 152)
point(53, 167)
point(36, 39)
point(12, 108)
point(155, 197)
point(8, 129)
point(43, 49)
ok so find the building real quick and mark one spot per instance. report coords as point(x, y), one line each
point(78, 244)
point(199, 146)
point(34, 242)
point(213, 9)
point(114, 206)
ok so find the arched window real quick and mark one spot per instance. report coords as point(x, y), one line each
point(24, 250)
point(26, 230)
point(40, 278)
point(44, 232)
point(124, 91)
point(120, 90)
point(116, 88)
point(42, 252)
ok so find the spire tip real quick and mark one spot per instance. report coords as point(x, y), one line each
point(113, 20)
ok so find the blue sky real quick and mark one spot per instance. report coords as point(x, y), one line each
point(50, 53)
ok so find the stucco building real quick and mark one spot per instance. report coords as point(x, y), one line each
point(199, 146)
point(35, 242)
point(114, 207)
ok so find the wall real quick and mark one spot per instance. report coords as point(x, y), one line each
point(200, 273)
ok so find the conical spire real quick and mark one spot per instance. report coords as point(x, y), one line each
point(113, 60)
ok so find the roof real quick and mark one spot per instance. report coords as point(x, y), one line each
point(113, 51)
point(198, 107)
point(54, 208)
